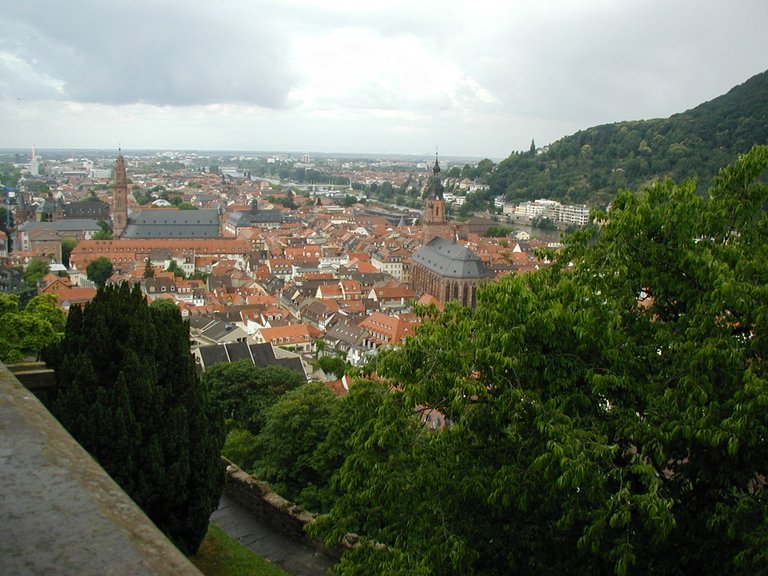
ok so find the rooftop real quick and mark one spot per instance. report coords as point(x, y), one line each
point(450, 260)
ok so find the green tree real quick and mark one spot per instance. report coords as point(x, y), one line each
point(356, 412)
point(164, 303)
point(129, 393)
point(105, 232)
point(294, 427)
point(25, 333)
point(67, 245)
point(174, 267)
point(47, 306)
point(243, 392)
point(498, 230)
point(149, 271)
point(142, 196)
point(102, 235)
point(100, 270)
point(9, 175)
point(544, 223)
point(335, 365)
point(38, 187)
point(35, 271)
point(241, 447)
point(8, 303)
point(607, 414)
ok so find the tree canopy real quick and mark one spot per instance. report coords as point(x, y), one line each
point(99, 270)
point(105, 232)
point(129, 394)
point(294, 427)
point(243, 392)
point(67, 245)
point(35, 271)
point(26, 332)
point(606, 415)
point(303, 440)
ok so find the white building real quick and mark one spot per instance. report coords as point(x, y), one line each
point(577, 214)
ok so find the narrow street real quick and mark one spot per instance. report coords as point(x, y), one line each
point(250, 531)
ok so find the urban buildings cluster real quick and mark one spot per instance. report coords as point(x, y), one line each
point(252, 262)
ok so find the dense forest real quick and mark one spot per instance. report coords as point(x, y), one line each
point(591, 165)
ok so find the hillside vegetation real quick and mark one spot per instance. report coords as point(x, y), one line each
point(607, 413)
point(591, 165)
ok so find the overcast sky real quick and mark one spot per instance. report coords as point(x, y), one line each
point(470, 78)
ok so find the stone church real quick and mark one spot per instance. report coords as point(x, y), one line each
point(154, 223)
point(442, 267)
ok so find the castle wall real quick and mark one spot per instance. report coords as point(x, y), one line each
point(258, 498)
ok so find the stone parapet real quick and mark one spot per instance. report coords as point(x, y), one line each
point(282, 515)
point(60, 512)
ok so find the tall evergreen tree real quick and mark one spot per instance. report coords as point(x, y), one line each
point(129, 393)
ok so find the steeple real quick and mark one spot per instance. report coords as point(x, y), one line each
point(434, 207)
point(435, 187)
point(119, 197)
point(34, 164)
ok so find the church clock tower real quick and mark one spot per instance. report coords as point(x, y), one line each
point(435, 223)
point(119, 198)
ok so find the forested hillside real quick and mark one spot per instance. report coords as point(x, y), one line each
point(591, 165)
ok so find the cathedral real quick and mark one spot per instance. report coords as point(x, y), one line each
point(153, 223)
point(443, 268)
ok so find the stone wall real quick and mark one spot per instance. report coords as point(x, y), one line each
point(60, 513)
point(258, 498)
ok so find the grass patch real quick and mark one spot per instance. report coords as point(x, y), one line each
point(220, 555)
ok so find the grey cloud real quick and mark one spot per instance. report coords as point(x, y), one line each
point(616, 61)
point(158, 53)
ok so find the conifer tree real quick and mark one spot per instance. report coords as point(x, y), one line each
point(129, 393)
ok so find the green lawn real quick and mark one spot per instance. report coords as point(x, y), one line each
point(220, 555)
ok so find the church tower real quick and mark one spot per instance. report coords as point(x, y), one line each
point(119, 198)
point(435, 223)
point(34, 164)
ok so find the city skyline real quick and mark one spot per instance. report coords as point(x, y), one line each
point(479, 79)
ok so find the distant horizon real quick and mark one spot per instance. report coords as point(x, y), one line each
point(233, 151)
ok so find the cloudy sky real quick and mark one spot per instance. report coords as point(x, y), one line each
point(470, 78)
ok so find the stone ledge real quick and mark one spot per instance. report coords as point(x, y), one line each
point(284, 516)
point(61, 513)
point(34, 375)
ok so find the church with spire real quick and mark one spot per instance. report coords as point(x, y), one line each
point(157, 223)
point(435, 219)
point(442, 267)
